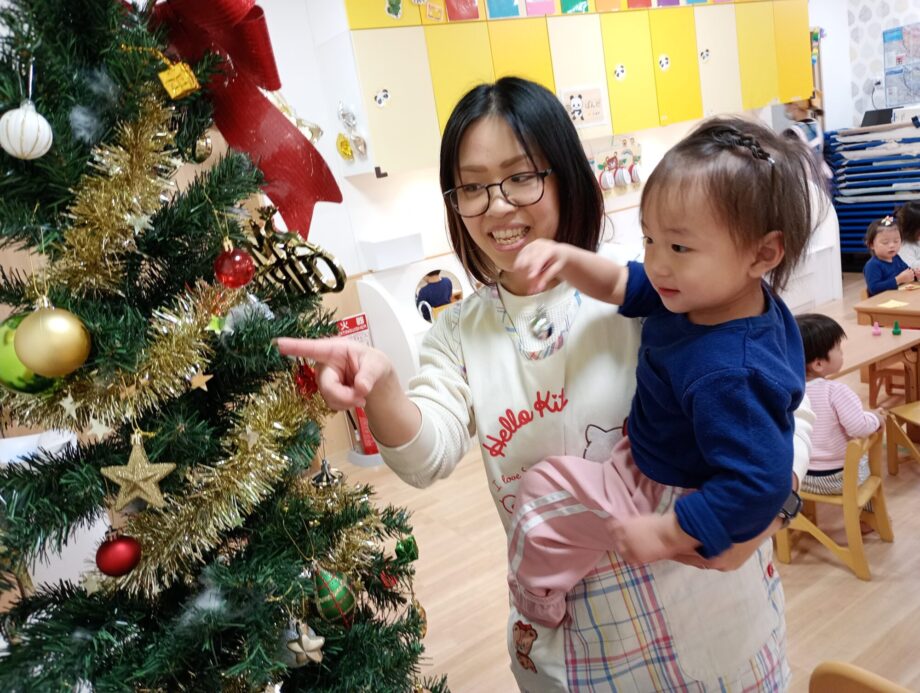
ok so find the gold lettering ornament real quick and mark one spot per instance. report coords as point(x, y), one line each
point(178, 80)
point(287, 261)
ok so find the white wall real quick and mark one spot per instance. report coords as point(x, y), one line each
point(867, 20)
point(836, 72)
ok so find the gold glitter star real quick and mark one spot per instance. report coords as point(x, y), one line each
point(70, 406)
point(200, 380)
point(138, 478)
point(308, 646)
point(92, 582)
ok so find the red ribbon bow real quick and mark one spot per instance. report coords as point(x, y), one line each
point(296, 177)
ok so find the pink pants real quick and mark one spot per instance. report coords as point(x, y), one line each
point(560, 527)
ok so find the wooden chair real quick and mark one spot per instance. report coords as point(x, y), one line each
point(840, 677)
point(902, 421)
point(888, 375)
point(852, 500)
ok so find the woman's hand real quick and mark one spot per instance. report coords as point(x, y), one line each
point(733, 557)
point(346, 371)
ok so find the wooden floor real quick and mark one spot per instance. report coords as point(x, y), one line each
point(830, 614)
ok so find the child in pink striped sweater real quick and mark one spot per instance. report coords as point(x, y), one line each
point(839, 415)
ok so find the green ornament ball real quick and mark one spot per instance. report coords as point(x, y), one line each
point(335, 598)
point(13, 374)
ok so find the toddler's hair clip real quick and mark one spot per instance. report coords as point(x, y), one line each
point(887, 221)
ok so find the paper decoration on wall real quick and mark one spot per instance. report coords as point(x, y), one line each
point(574, 6)
point(704, 55)
point(664, 62)
point(638, 4)
point(499, 9)
point(620, 72)
point(538, 8)
point(462, 9)
point(697, 2)
point(394, 8)
point(668, 3)
point(609, 5)
point(585, 106)
point(382, 97)
point(434, 11)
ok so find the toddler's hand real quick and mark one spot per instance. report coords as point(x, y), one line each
point(541, 261)
point(905, 277)
point(649, 538)
point(882, 414)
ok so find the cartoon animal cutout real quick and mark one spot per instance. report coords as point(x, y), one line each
point(524, 635)
point(601, 441)
point(576, 107)
point(607, 179)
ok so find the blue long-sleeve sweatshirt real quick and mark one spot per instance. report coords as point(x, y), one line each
point(880, 274)
point(713, 410)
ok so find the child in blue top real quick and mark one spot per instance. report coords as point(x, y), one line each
point(721, 368)
point(885, 269)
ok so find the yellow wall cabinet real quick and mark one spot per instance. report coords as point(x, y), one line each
point(717, 49)
point(520, 48)
point(460, 57)
point(630, 76)
point(403, 126)
point(615, 71)
point(677, 74)
point(364, 14)
point(793, 50)
point(757, 54)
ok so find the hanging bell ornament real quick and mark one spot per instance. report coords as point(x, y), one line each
point(305, 379)
point(234, 267)
point(540, 325)
point(24, 132)
point(52, 341)
point(327, 476)
point(203, 149)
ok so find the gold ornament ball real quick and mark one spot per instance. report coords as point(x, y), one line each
point(52, 342)
point(202, 150)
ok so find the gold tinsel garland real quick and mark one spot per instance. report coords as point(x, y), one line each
point(176, 538)
point(114, 204)
point(176, 349)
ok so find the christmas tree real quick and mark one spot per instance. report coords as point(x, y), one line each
point(148, 331)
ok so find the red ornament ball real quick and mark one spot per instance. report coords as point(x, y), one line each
point(305, 377)
point(118, 555)
point(234, 268)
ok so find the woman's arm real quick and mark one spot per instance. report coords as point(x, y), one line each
point(350, 374)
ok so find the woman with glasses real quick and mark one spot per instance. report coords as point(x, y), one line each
point(553, 373)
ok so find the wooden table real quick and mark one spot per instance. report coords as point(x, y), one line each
point(864, 351)
point(870, 310)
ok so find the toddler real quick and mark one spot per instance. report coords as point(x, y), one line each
point(720, 372)
point(885, 269)
point(839, 414)
point(908, 218)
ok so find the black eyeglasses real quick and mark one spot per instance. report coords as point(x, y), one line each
point(518, 189)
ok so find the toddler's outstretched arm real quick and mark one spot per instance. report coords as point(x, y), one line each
point(594, 275)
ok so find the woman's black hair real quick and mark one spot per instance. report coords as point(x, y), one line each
point(755, 181)
point(544, 129)
point(908, 216)
point(820, 334)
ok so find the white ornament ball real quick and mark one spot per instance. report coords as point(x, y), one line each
point(24, 132)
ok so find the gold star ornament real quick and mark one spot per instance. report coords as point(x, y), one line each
point(200, 380)
point(138, 478)
point(307, 646)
